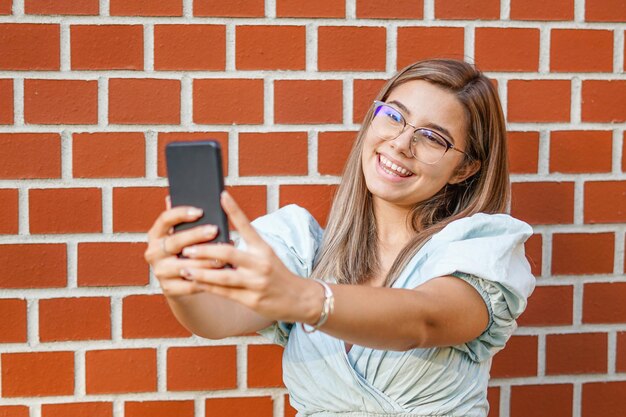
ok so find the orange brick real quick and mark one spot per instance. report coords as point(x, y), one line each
point(417, 43)
point(169, 137)
point(543, 202)
point(333, 149)
point(226, 101)
point(270, 47)
point(289, 410)
point(624, 153)
point(402, 9)
point(65, 210)
point(30, 155)
point(189, 47)
point(602, 101)
point(60, 102)
point(603, 398)
point(159, 408)
point(84, 318)
point(91, 409)
point(581, 50)
point(9, 207)
point(6, 102)
point(533, 249)
point(120, 371)
point(37, 374)
point(12, 321)
point(542, 10)
point(605, 202)
point(233, 8)
point(62, 7)
point(523, 151)
point(201, 368)
point(30, 46)
point(146, 8)
point(317, 199)
point(277, 153)
point(458, 9)
point(349, 48)
point(322, 102)
point(549, 306)
point(539, 101)
point(620, 364)
point(111, 264)
point(6, 7)
point(265, 366)
point(604, 302)
point(605, 11)
point(136, 208)
point(582, 253)
point(577, 151)
point(102, 155)
point(320, 8)
point(146, 316)
point(144, 101)
point(365, 91)
point(518, 359)
point(14, 410)
point(493, 398)
point(33, 266)
point(519, 45)
point(555, 399)
point(237, 407)
point(589, 356)
point(251, 198)
point(107, 47)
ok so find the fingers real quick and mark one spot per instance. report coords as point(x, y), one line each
point(171, 217)
point(173, 267)
point(226, 254)
point(239, 220)
point(168, 202)
point(177, 241)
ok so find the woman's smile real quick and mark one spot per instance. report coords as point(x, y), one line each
point(391, 169)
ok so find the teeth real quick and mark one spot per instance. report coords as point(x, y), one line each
point(393, 167)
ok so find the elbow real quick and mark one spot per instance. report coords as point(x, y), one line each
point(420, 332)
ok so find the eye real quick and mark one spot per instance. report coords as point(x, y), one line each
point(391, 114)
point(432, 138)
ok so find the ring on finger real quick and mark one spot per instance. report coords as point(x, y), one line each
point(164, 248)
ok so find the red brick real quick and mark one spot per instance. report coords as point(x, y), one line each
point(270, 47)
point(107, 47)
point(62, 7)
point(201, 368)
point(542, 10)
point(146, 8)
point(33, 265)
point(459, 9)
point(604, 302)
point(523, 150)
point(9, 211)
point(227, 101)
point(581, 50)
point(37, 374)
point(251, 198)
point(519, 358)
point(402, 9)
point(539, 101)
point(265, 366)
point(603, 398)
point(108, 155)
point(624, 153)
point(234, 8)
point(146, 316)
point(533, 249)
point(322, 103)
point(519, 45)
point(320, 8)
point(365, 91)
point(417, 43)
point(84, 318)
point(493, 398)
point(14, 410)
point(144, 101)
point(159, 408)
point(549, 306)
point(275, 153)
point(30, 46)
point(112, 263)
point(605, 202)
point(189, 47)
point(620, 365)
point(543, 202)
point(577, 151)
point(12, 321)
point(239, 407)
point(91, 409)
point(317, 199)
point(589, 356)
point(582, 253)
point(333, 149)
point(6, 102)
point(6, 7)
point(289, 410)
point(349, 48)
point(605, 11)
point(602, 101)
point(136, 208)
point(169, 137)
point(120, 371)
point(60, 102)
point(554, 400)
point(65, 210)
point(30, 155)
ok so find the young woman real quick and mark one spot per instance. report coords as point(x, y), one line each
point(414, 285)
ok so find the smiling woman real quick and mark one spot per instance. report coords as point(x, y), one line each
point(415, 284)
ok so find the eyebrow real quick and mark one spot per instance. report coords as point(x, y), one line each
point(431, 125)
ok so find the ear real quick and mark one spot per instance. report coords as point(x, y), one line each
point(465, 171)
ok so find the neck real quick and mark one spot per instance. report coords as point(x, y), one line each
point(391, 224)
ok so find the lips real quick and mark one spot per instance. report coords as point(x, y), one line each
point(392, 168)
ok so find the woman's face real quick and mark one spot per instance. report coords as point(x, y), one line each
point(423, 105)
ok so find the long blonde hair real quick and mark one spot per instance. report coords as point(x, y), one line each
point(349, 248)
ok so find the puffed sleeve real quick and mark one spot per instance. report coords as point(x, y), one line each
point(295, 236)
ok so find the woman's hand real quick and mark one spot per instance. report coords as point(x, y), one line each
point(258, 279)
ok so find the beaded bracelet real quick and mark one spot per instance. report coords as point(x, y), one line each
point(327, 308)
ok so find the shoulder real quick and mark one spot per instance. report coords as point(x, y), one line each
point(288, 219)
point(485, 226)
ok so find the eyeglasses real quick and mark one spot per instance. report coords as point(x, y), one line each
point(427, 146)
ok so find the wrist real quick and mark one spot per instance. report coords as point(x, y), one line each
point(312, 302)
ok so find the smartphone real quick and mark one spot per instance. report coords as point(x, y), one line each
point(194, 171)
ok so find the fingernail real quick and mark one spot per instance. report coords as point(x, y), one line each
point(209, 230)
point(194, 212)
point(190, 251)
point(185, 273)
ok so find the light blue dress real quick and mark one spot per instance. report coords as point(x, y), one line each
point(323, 380)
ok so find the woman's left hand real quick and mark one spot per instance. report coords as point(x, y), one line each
point(258, 279)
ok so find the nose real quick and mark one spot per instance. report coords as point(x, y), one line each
point(402, 143)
